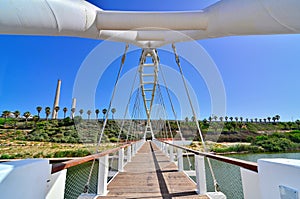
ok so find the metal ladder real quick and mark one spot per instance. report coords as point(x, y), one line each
point(148, 69)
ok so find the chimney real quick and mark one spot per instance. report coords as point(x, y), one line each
point(56, 99)
point(73, 106)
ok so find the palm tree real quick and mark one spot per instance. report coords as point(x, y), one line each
point(298, 123)
point(236, 119)
point(265, 120)
point(226, 118)
point(16, 114)
point(269, 119)
point(274, 119)
point(26, 115)
point(247, 120)
point(89, 114)
point(231, 119)
point(186, 119)
point(39, 109)
point(277, 117)
point(193, 119)
point(241, 118)
point(215, 118)
point(251, 120)
point(56, 111)
point(221, 119)
point(47, 112)
point(73, 112)
point(65, 110)
point(210, 118)
point(260, 120)
point(113, 110)
point(81, 112)
point(5, 114)
point(97, 111)
point(255, 119)
point(104, 111)
point(35, 119)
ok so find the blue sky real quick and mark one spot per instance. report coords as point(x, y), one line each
point(260, 73)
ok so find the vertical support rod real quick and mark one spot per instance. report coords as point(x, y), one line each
point(132, 150)
point(121, 160)
point(129, 154)
point(171, 154)
point(167, 150)
point(200, 174)
point(102, 175)
point(180, 160)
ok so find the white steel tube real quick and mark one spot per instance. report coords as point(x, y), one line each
point(129, 153)
point(102, 175)
point(180, 160)
point(171, 154)
point(120, 20)
point(121, 160)
point(200, 174)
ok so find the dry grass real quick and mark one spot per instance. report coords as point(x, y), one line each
point(29, 149)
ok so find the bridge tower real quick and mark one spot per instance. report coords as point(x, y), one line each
point(148, 69)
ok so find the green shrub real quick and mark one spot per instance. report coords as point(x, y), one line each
point(113, 139)
point(71, 153)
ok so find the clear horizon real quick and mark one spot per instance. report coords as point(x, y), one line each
point(259, 72)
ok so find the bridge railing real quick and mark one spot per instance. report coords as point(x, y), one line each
point(227, 171)
point(91, 174)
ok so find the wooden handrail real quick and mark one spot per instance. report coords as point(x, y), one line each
point(71, 163)
point(242, 163)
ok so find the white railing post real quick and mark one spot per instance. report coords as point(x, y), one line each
point(180, 159)
point(132, 150)
point(129, 153)
point(121, 160)
point(200, 174)
point(171, 154)
point(102, 175)
point(166, 149)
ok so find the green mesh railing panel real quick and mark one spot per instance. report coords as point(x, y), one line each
point(228, 177)
point(77, 178)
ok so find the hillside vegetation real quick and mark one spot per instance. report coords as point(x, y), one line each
point(25, 138)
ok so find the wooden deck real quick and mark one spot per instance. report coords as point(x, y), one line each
point(150, 174)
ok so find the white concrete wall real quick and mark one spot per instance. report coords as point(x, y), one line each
point(56, 185)
point(250, 183)
point(26, 179)
point(275, 172)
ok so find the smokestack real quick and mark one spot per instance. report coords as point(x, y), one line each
point(73, 107)
point(56, 99)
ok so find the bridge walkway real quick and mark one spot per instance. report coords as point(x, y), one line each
point(150, 174)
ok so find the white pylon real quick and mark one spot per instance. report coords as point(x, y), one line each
point(148, 69)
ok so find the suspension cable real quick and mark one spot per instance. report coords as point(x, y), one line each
point(135, 108)
point(170, 100)
point(113, 95)
point(127, 106)
point(174, 112)
point(194, 114)
point(86, 187)
point(123, 120)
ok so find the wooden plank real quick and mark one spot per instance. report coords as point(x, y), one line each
point(150, 174)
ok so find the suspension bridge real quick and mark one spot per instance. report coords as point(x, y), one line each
point(155, 168)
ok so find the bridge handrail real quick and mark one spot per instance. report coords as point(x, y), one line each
point(242, 163)
point(71, 163)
